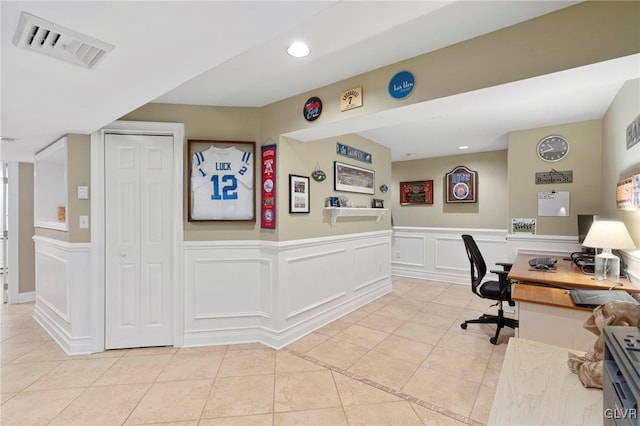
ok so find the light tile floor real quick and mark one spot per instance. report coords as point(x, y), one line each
point(400, 360)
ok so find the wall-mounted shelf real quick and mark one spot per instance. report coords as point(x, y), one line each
point(336, 212)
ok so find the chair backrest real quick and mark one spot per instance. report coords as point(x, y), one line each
point(478, 266)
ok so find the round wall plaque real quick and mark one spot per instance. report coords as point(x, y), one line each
point(312, 109)
point(401, 85)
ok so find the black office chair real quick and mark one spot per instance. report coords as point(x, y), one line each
point(494, 290)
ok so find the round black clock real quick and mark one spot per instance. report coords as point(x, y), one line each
point(553, 148)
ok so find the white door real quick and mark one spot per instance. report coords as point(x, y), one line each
point(138, 243)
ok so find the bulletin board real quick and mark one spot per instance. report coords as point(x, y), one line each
point(553, 203)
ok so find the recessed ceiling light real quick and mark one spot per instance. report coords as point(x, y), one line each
point(463, 147)
point(298, 50)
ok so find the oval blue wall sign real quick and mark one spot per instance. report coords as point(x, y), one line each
point(401, 85)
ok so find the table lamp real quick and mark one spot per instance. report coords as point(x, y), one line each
point(607, 235)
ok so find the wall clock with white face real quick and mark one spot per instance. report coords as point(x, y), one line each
point(553, 148)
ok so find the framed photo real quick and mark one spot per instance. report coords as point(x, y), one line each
point(299, 194)
point(350, 178)
point(416, 192)
point(377, 203)
point(524, 226)
point(221, 180)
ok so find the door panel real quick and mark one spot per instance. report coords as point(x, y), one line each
point(138, 199)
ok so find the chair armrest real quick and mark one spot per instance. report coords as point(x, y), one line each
point(506, 266)
point(504, 281)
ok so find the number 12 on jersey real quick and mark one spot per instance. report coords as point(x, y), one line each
point(229, 187)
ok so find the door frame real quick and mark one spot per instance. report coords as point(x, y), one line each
point(97, 196)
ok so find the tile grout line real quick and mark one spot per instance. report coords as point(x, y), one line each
point(384, 388)
point(149, 384)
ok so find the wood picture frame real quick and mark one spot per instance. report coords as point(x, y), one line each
point(221, 180)
point(299, 194)
point(348, 178)
point(462, 185)
point(416, 192)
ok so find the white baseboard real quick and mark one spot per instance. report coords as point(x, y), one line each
point(29, 296)
point(70, 345)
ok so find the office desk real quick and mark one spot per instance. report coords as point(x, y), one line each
point(536, 388)
point(546, 312)
point(566, 275)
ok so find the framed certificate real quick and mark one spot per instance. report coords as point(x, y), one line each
point(221, 180)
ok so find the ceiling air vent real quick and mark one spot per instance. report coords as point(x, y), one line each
point(45, 37)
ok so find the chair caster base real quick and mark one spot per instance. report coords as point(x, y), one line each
point(463, 326)
point(493, 340)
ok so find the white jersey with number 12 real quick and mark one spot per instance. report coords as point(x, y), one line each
point(222, 184)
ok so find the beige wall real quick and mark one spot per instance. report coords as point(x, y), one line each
point(585, 139)
point(26, 246)
point(78, 174)
point(301, 159)
point(210, 123)
point(582, 34)
point(586, 33)
point(293, 157)
point(489, 212)
point(617, 162)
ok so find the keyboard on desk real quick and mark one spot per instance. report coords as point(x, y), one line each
point(546, 261)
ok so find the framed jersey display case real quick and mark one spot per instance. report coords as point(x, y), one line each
point(221, 180)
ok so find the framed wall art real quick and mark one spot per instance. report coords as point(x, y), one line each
point(350, 178)
point(221, 180)
point(462, 185)
point(416, 192)
point(299, 197)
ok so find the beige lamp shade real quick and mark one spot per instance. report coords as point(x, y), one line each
point(608, 234)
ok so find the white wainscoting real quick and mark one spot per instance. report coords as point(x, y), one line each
point(545, 245)
point(227, 292)
point(277, 292)
point(62, 292)
point(632, 259)
point(439, 254)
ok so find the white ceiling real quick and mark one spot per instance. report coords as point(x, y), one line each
point(232, 54)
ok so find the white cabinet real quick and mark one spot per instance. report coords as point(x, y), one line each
point(50, 187)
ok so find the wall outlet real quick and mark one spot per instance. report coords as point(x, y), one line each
point(397, 255)
point(84, 222)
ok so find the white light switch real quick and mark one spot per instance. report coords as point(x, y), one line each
point(83, 193)
point(84, 221)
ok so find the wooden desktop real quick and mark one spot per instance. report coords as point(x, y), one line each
point(565, 274)
point(546, 312)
